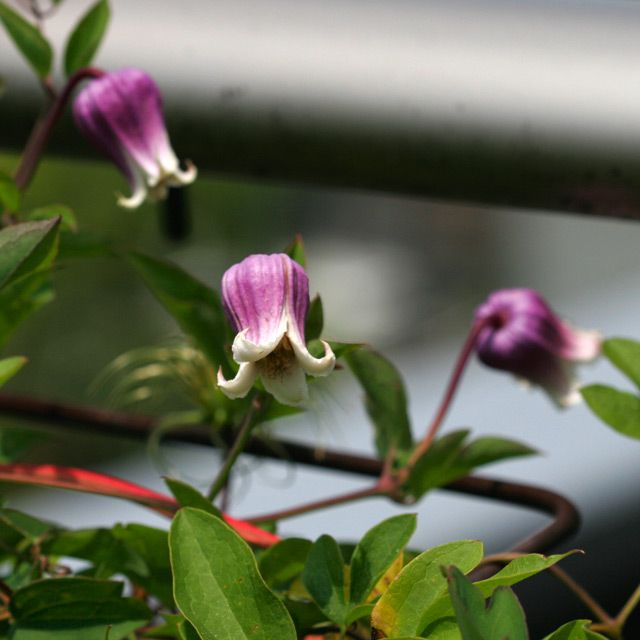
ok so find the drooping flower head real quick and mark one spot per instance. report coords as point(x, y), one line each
point(522, 335)
point(266, 298)
point(121, 114)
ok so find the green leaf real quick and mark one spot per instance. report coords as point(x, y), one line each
point(16, 526)
point(10, 366)
point(283, 562)
point(27, 251)
point(619, 409)
point(385, 399)
point(315, 320)
point(68, 220)
point(189, 496)
point(405, 608)
point(376, 552)
point(323, 577)
point(15, 441)
point(217, 585)
point(625, 355)
point(22, 298)
point(9, 193)
point(86, 37)
point(27, 247)
point(358, 612)
point(195, 307)
point(31, 43)
point(515, 571)
point(575, 630)
point(449, 458)
point(296, 251)
point(139, 552)
point(75, 609)
point(503, 620)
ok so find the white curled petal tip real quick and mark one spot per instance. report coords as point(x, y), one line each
point(315, 366)
point(240, 385)
point(587, 345)
point(182, 177)
point(246, 351)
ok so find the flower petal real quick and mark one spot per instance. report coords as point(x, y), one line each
point(240, 385)
point(314, 366)
point(286, 386)
point(253, 293)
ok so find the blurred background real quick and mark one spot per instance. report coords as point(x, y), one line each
point(403, 272)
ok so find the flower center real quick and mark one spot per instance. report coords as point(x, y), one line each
point(280, 361)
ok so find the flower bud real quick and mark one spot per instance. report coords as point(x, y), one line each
point(266, 298)
point(522, 335)
point(120, 113)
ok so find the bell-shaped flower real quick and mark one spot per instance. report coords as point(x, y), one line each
point(266, 298)
point(121, 114)
point(521, 334)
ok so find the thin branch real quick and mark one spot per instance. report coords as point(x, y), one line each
point(583, 595)
point(369, 492)
point(43, 128)
point(48, 414)
point(629, 606)
point(450, 392)
point(238, 447)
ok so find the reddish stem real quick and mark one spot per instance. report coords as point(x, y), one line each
point(452, 387)
point(43, 128)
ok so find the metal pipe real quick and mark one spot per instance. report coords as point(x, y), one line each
point(487, 102)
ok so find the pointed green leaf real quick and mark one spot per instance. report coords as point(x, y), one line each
point(31, 43)
point(575, 630)
point(619, 409)
point(195, 307)
point(9, 367)
point(75, 609)
point(86, 37)
point(27, 247)
point(502, 620)
point(385, 399)
point(376, 552)
point(323, 577)
point(625, 355)
point(296, 251)
point(189, 496)
point(283, 562)
point(315, 320)
point(68, 220)
point(9, 193)
point(515, 571)
point(216, 582)
point(449, 458)
point(404, 609)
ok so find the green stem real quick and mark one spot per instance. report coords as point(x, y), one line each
point(630, 605)
point(244, 435)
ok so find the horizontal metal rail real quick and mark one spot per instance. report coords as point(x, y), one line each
point(487, 102)
point(566, 518)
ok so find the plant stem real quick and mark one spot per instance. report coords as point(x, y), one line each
point(583, 595)
point(630, 605)
point(454, 380)
point(244, 435)
point(369, 492)
point(44, 126)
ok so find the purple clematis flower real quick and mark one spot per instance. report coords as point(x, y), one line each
point(266, 298)
point(521, 334)
point(121, 114)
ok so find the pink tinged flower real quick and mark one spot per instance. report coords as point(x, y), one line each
point(522, 335)
point(121, 114)
point(266, 298)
